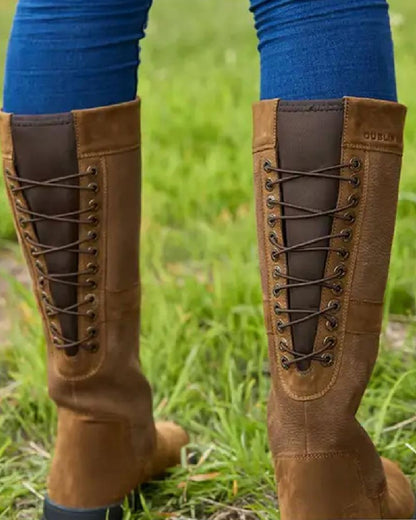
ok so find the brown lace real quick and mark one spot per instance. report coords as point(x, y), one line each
point(86, 216)
point(332, 281)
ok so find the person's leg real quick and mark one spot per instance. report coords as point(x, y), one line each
point(71, 151)
point(73, 54)
point(326, 176)
point(323, 49)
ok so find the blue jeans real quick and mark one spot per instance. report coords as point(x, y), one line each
point(75, 54)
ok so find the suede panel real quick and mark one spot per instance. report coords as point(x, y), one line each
point(107, 441)
point(326, 466)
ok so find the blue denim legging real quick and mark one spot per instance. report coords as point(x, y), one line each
point(75, 54)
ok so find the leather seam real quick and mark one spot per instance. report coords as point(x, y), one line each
point(105, 152)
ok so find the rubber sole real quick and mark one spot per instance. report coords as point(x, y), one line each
point(52, 511)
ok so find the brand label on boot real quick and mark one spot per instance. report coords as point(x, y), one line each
point(384, 137)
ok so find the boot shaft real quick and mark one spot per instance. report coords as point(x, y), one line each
point(73, 182)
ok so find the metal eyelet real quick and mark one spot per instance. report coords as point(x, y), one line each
point(350, 217)
point(34, 251)
point(276, 290)
point(275, 254)
point(91, 283)
point(343, 253)
point(355, 164)
point(271, 201)
point(327, 359)
point(346, 234)
point(340, 270)
point(93, 186)
point(280, 326)
point(337, 289)
point(334, 305)
point(92, 236)
point(269, 185)
point(91, 314)
point(331, 323)
point(355, 181)
point(92, 332)
point(284, 362)
point(90, 298)
point(93, 204)
point(92, 268)
point(283, 344)
point(276, 308)
point(329, 341)
point(271, 220)
point(41, 282)
point(267, 165)
point(276, 272)
point(22, 222)
point(273, 239)
point(353, 200)
point(93, 251)
point(92, 170)
point(93, 220)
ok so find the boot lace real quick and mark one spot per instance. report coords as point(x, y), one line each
point(284, 281)
point(84, 278)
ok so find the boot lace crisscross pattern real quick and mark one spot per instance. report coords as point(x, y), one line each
point(285, 281)
point(83, 246)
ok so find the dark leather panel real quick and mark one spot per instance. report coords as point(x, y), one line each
point(45, 148)
point(310, 134)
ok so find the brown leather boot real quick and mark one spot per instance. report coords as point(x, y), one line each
point(74, 186)
point(326, 177)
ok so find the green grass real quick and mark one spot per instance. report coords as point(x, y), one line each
point(203, 343)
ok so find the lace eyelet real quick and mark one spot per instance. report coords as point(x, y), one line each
point(340, 270)
point(284, 362)
point(337, 289)
point(269, 185)
point(271, 202)
point(276, 290)
point(280, 326)
point(276, 308)
point(92, 236)
point(327, 359)
point(92, 332)
point(93, 251)
point(41, 282)
point(349, 217)
point(91, 283)
point(275, 254)
point(353, 200)
point(267, 165)
point(271, 220)
point(355, 181)
point(93, 204)
point(343, 253)
point(93, 186)
point(331, 323)
point(355, 164)
point(92, 170)
point(91, 314)
point(276, 272)
point(273, 239)
point(334, 305)
point(283, 344)
point(92, 268)
point(90, 298)
point(93, 220)
point(34, 251)
point(329, 341)
point(346, 234)
point(22, 222)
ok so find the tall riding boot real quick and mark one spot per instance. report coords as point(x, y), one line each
point(326, 177)
point(74, 186)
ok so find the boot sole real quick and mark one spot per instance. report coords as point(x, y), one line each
point(52, 511)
